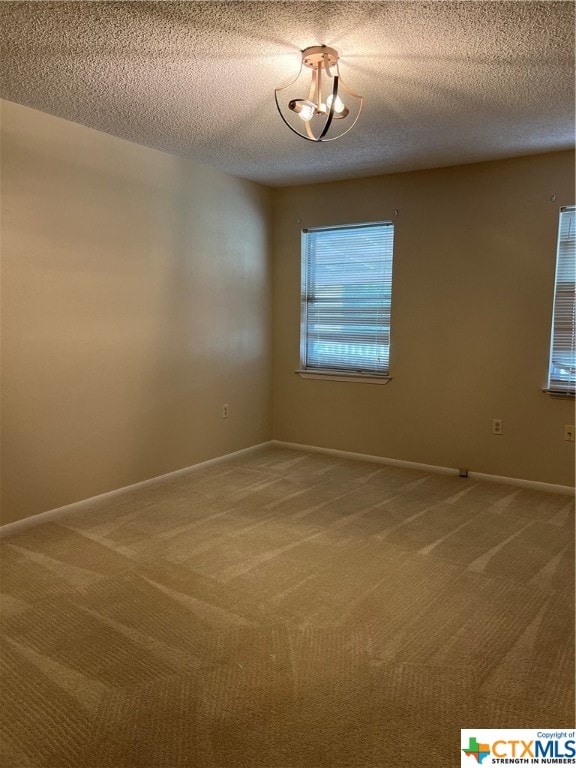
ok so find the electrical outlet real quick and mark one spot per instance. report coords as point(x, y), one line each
point(225, 411)
point(496, 426)
point(569, 432)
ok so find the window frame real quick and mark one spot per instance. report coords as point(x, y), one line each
point(334, 373)
point(555, 386)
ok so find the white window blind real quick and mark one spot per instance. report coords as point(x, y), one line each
point(562, 370)
point(346, 298)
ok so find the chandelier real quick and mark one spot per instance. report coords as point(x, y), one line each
point(330, 109)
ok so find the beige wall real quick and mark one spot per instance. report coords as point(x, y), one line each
point(474, 263)
point(136, 301)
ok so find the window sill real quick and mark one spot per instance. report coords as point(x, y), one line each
point(559, 394)
point(353, 378)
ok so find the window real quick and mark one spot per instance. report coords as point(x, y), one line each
point(562, 369)
point(346, 297)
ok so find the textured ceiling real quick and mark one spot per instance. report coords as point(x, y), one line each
point(444, 83)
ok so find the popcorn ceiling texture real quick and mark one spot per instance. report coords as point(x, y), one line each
point(444, 83)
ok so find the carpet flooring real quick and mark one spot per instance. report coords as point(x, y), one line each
point(287, 610)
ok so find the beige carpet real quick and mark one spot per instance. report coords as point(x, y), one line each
point(287, 610)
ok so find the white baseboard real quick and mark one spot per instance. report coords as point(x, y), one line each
point(533, 484)
point(366, 457)
point(9, 529)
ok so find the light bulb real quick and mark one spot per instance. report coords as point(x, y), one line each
point(340, 109)
point(338, 104)
point(304, 109)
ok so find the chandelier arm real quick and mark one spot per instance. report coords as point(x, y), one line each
point(309, 132)
point(345, 88)
point(313, 86)
point(328, 122)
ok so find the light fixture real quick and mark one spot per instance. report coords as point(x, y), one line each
point(330, 109)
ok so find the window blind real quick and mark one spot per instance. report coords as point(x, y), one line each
point(346, 298)
point(562, 370)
